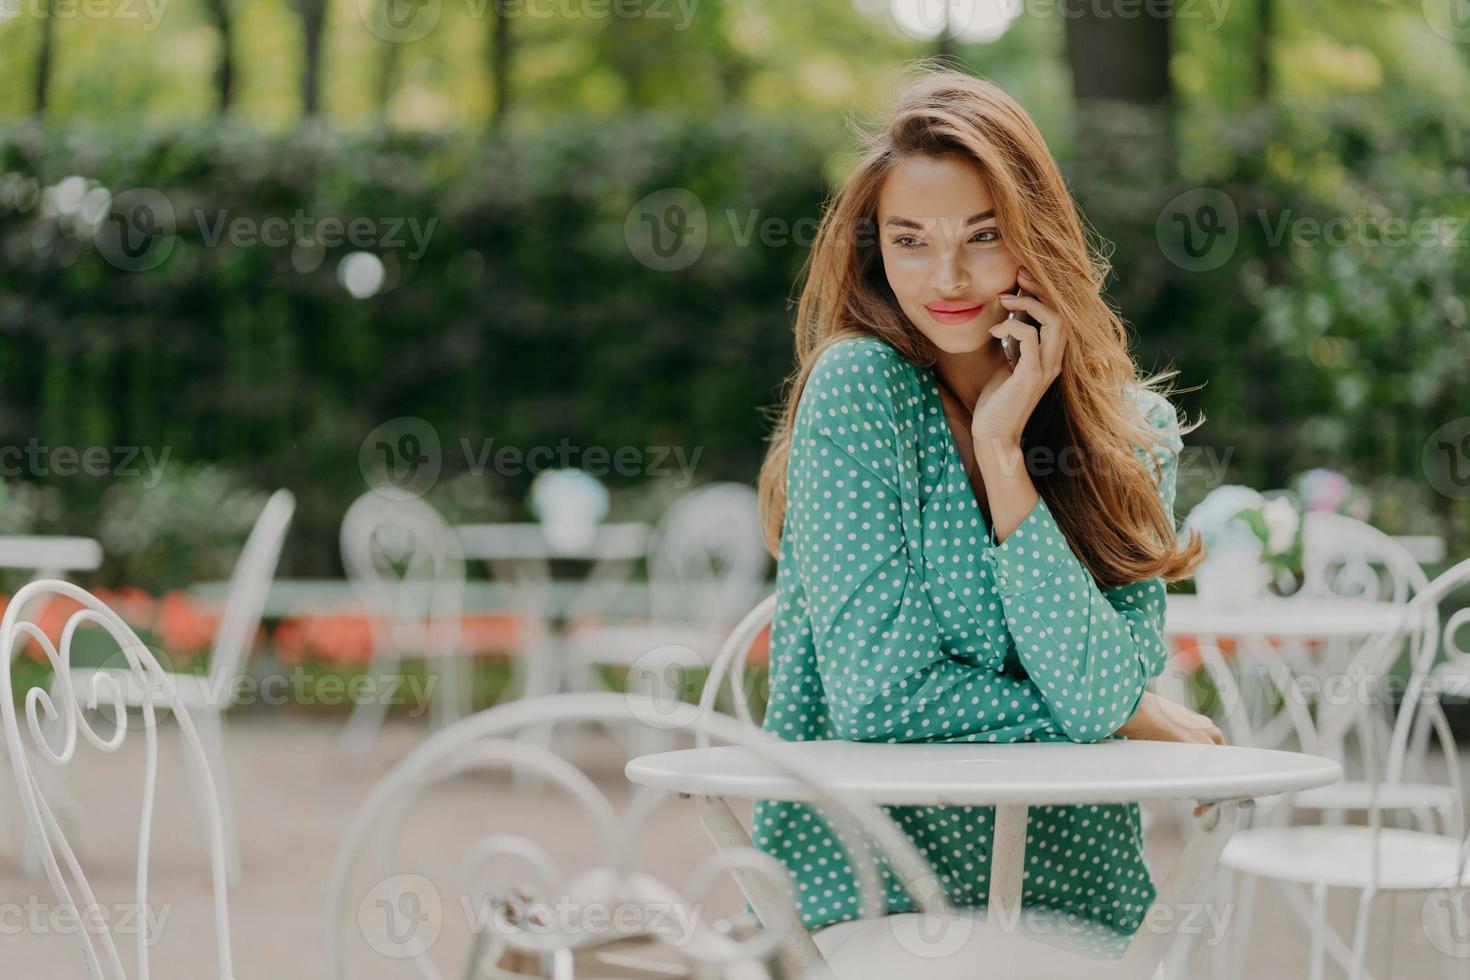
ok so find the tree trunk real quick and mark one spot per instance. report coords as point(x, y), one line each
point(224, 70)
point(500, 59)
point(1265, 26)
point(313, 21)
point(1120, 80)
point(1118, 59)
point(387, 78)
point(41, 80)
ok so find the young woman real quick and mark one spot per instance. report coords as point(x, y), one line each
point(966, 550)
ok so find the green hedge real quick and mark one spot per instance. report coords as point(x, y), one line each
point(528, 320)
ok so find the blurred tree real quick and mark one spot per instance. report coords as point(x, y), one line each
point(313, 14)
point(1261, 48)
point(500, 63)
point(45, 52)
point(1117, 58)
point(1122, 91)
point(222, 16)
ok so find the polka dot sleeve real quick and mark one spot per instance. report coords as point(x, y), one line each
point(877, 642)
point(1091, 651)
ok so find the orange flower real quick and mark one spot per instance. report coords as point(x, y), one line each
point(491, 632)
point(343, 637)
point(51, 620)
point(136, 607)
point(759, 654)
point(185, 626)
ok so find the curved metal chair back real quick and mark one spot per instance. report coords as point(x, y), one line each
point(488, 740)
point(250, 583)
point(1354, 702)
point(1347, 558)
point(730, 661)
point(707, 559)
point(56, 722)
point(406, 566)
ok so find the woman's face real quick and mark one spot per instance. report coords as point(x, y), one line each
point(942, 250)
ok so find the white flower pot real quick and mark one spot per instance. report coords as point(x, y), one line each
point(1231, 581)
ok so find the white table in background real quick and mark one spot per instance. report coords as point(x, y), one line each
point(1273, 632)
point(1270, 615)
point(520, 556)
point(49, 555)
point(1010, 777)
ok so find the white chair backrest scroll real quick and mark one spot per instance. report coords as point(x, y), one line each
point(407, 568)
point(708, 559)
point(55, 724)
point(615, 882)
point(1347, 558)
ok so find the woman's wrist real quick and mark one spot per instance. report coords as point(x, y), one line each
point(1000, 459)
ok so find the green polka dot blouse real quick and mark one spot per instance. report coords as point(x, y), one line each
point(900, 619)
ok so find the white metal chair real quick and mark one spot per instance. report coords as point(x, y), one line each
point(706, 567)
point(731, 662)
point(57, 722)
point(1342, 558)
point(210, 694)
point(615, 883)
point(407, 569)
point(1370, 859)
point(48, 556)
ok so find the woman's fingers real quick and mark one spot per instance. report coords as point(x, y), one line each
point(1028, 304)
point(1055, 342)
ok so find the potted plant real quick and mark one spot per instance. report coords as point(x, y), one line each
point(1250, 538)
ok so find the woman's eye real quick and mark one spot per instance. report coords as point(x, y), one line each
point(907, 241)
point(986, 236)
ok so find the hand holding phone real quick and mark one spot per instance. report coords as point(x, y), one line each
point(1010, 345)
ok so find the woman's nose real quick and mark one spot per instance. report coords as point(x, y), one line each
point(951, 276)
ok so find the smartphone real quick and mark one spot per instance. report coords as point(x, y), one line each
point(1010, 345)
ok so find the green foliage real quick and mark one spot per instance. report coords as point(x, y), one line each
point(525, 322)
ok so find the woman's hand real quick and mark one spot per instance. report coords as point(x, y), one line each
point(1158, 719)
point(1008, 398)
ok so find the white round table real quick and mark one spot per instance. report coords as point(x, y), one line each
point(1188, 615)
point(1011, 777)
point(987, 774)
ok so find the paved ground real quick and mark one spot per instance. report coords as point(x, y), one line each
point(295, 795)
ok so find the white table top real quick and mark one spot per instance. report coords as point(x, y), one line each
point(624, 541)
point(975, 774)
point(1187, 615)
point(51, 553)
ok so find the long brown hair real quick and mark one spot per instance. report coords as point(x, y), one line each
point(1111, 514)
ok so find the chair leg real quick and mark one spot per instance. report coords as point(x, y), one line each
point(1360, 933)
point(451, 700)
point(1318, 953)
point(366, 719)
point(210, 726)
point(1239, 950)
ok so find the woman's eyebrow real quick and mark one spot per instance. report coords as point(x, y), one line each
point(907, 223)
